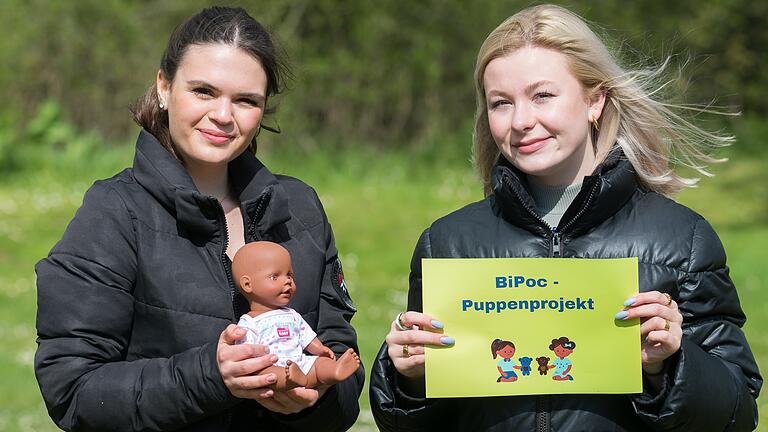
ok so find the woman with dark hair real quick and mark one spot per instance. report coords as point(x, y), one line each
point(577, 157)
point(136, 302)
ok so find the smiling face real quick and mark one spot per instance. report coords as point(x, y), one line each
point(215, 103)
point(507, 352)
point(539, 115)
point(562, 352)
point(264, 273)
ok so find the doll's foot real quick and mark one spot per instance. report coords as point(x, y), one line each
point(347, 364)
point(294, 377)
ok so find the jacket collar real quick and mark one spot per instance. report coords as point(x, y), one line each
point(603, 193)
point(199, 216)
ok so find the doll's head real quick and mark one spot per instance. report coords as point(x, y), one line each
point(263, 272)
point(503, 348)
point(562, 347)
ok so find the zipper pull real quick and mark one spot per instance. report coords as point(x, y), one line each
point(556, 250)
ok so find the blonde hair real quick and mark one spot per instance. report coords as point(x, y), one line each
point(651, 133)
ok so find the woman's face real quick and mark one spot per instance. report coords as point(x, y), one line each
point(539, 115)
point(215, 103)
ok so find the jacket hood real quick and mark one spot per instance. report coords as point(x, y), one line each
point(262, 198)
point(603, 193)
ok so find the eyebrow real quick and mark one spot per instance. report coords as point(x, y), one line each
point(531, 87)
point(255, 96)
point(528, 89)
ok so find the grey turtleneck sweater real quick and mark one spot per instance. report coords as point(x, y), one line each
point(552, 201)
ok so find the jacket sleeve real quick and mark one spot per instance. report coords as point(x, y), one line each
point(84, 320)
point(713, 382)
point(393, 409)
point(338, 409)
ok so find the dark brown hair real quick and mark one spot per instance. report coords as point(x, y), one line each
point(214, 25)
point(498, 344)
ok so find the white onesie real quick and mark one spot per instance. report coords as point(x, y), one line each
point(286, 334)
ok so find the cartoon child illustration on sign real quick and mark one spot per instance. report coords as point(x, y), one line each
point(562, 347)
point(506, 365)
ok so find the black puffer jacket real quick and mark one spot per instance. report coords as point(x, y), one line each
point(710, 385)
point(133, 298)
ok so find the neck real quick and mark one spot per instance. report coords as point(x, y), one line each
point(258, 309)
point(210, 180)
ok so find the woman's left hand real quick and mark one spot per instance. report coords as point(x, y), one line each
point(292, 401)
point(660, 327)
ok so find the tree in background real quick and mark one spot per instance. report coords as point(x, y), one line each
point(386, 73)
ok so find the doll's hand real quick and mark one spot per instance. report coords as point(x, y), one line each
point(660, 329)
point(406, 342)
point(292, 401)
point(327, 352)
point(238, 365)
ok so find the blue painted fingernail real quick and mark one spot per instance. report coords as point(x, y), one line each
point(447, 340)
point(437, 324)
point(630, 301)
point(621, 315)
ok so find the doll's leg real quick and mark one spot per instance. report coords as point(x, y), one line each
point(288, 376)
point(328, 371)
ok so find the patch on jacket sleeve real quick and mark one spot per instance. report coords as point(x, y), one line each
point(337, 280)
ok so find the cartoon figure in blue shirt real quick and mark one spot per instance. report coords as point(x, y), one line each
point(562, 348)
point(506, 365)
point(525, 365)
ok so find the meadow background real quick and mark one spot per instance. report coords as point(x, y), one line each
point(378, 119)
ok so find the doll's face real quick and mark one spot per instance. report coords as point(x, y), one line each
point(507, 352)
point(562, 352)
point(268, 279)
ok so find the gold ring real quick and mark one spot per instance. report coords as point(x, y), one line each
point(666, 325)
point(669, 298)
point(406, 354)
point(399, 323)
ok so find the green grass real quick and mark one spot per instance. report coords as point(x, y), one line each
point(378, 204)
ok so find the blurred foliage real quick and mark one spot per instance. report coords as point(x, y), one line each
point(49, 146)
point(385, 73)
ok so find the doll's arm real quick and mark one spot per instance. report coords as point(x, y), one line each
point(317, 348)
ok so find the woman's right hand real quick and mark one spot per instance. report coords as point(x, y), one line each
point(238, 365)
point(424, 330)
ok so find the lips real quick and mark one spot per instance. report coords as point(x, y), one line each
point(531, 145)
point(215, 137)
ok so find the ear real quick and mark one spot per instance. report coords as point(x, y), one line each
point(245, 284)
point(596, 103)
point(163, 88)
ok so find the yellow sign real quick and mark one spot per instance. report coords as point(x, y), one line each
point(526, 326)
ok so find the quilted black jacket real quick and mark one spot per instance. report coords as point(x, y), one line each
point(133, 298)
point(710, 385)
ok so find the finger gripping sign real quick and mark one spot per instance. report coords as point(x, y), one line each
point(532, 326)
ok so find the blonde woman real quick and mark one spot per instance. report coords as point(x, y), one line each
point(575, 155)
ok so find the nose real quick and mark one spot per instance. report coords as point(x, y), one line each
point(523, 118)
point(221, 111)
